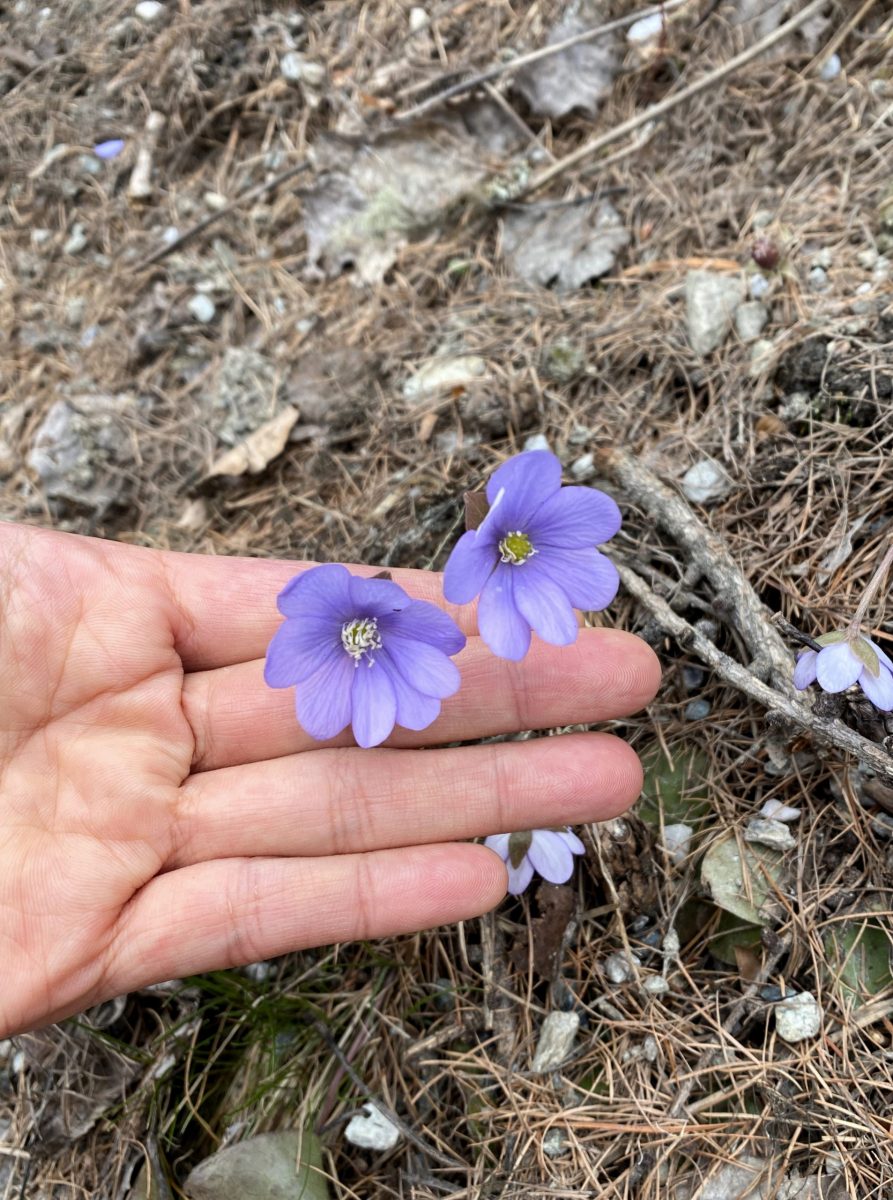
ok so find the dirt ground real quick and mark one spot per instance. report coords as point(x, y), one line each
point(306, 306)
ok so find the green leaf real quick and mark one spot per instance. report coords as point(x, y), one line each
point(732, 933)
point(674, 792)
point(742, 878)
point(858, 954)
point(829, 639)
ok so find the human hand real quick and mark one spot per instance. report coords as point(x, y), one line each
point(163, 814)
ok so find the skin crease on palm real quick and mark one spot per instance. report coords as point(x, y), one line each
point(163, 814)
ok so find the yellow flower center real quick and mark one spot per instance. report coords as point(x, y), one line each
point(360, 636)
point(515, 548)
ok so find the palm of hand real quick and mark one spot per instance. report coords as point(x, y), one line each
point(162, 813)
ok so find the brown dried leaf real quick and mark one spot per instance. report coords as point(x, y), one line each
point(259, 449)
point(476, 508)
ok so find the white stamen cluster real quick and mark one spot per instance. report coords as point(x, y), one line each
point(359, 636)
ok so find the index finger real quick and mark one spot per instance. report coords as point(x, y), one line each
point(228, 608)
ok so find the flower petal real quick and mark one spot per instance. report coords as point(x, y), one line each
point(544, 603)
point(837, 668)
point(550, 856)
point(501, 625)
point(322, 702)
point(414, 710)
point(575, 516)
point(299, 648)
point(586, 576)
point(529, 480)
point(519, 877)
point(322, 591)
point(469, 567)
point(376, 597)
point(572, 842)
point(804, 671)
point(878, 688)
point(373, 704)
point(423, 667)
point(499, 843)
point(424, 622)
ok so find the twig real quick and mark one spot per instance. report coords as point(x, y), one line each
point(794, 633)
point(670, 102)
point(524, 60)
point(707, 552)
point(408, 1132)
point(200, 226)
point(826, 731)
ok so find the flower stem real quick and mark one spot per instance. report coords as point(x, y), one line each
point(877, 579)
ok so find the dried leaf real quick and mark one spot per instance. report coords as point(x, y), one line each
point(742, 878)
point(476, 508)
point(578, 77)
point(259, 449)
point(564, 246)
point(556, 906)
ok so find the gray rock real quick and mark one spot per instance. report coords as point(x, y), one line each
point(202, 308)
point(677, 842)
point(761, 357)
point(272, 1166)
point(77, 239)
point(818, 279)
point(291, 66)
point(822, 258)
point(83, 451)
point(705, 481)
point(867, 258)
point(798, 1018)
point(371, 1130)
point(710, 300)
point(149, 11)
point(763, 218)
point(656, 985)
point(768, 832)
point(557, 1036)
point(618, 968)
point(795, 407)
point(750, 319)
point(693, 677)
point(554, 1143)
point(697, 710)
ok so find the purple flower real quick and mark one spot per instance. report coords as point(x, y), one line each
point(846, 659)
point(361, 653)
point(109, 149)
point(533, 559)
point(548, 851)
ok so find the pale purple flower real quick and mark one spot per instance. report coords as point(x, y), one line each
point(843, 660)
point(550, 852)
point(533, 559)
point(360, 652)
point(110, 149)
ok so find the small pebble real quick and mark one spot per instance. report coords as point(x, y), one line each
point(705, 481)
point(830, 68)
point(557, 1036)
point(149, 11)
point(758, 286)
point(215, 201)
point(822, 258)
point(881, 271)
point(867, 258)
point(77, 239)
point(537, 441)
point(618, 967)
point(774, 834)
point(583, 467)
point(371, 1130)
point(677, 842)
point(697, 710)
point(646, 29)
point(170, 235)
point(554, 1143)
point(798, 1018)
point(418, 19)
point(40, 236)
point(202, 308)
point(656, 985)
point(774, 810)
point(818, 279)
point(762, 218)
point(750, 319)
point(291, 66)
point(760, 357)
point(693, 678)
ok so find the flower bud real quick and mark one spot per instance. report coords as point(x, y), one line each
point(765, 253)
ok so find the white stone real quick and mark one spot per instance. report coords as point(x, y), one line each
point(798, 1017)
point(818, 279)
point(418, 19)
point(705, 481)
point(557, 1036)
point(291, 66)
point(677, 842)
point(77, 239)
point(762, 218)
point(867, 258)
point(554, 1143)
point(537, 441)
point(202, 308)
point(149, 10)
point(656, 985)
point(750, 320)
point(646, 29)
point(710, 300)
point(830, 68)
point(758, 286)
point(583, 467)
point(371, 1130)
point(618, 967)
point(774, 810)
point(769, 833)
point(761, 353)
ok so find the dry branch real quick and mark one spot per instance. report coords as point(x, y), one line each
point(826, 731)
point(670, 512)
